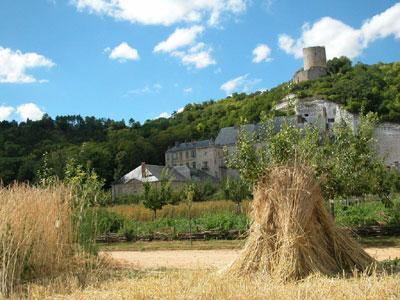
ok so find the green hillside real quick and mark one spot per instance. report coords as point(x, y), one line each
point(114, 147)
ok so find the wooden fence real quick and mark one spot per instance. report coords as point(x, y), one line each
point(233, 235)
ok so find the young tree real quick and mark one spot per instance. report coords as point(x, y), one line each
point(236, 190)
point(154, 197)
point(188, 195)
point(343, 159)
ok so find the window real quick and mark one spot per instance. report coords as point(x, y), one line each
point(306, 115)
point(205, 165)
point(194, 165)
point(193, 153)
point(331, 120)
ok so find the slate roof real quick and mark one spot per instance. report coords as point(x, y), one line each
point(228, 135)
point(191, 145)
point(153, 174)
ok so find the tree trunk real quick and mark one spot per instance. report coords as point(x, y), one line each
point(190, 228)
point(155, 214)
point(238, 208)
point(332, 206)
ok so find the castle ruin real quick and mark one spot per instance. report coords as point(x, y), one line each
point(314, 65)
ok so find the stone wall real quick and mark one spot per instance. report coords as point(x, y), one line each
point(135, 187)
point(310, 74)
point(207, 160)
point(388, 143)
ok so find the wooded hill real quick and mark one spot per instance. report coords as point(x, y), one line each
point(113, 148)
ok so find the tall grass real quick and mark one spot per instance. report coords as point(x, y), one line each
point(138, 212)
point(36, 234)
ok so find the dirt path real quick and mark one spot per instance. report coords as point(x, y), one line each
point(204, 259)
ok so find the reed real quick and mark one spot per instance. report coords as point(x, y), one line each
point(36, 234)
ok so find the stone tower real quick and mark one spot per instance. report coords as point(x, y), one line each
point(314, 64)
point(314, 57)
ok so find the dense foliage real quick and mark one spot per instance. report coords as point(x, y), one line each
point(343, 161)
point(113, 148)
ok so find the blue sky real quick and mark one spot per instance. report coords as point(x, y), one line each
point(142, 59)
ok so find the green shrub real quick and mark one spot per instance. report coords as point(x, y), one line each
point(362, 214)
point(107, 222)
point(222, 221)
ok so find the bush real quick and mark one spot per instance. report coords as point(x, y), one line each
point(107, 222)
point(368, 213)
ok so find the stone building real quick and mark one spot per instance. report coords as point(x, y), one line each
point(314, 65)
point(201, 155)
point(132, 182)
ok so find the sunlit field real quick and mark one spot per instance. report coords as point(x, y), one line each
point(213, 285)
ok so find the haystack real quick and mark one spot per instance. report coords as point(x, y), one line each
point(292, 234)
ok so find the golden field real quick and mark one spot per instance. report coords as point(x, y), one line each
point(211, 285)
point(139, 213)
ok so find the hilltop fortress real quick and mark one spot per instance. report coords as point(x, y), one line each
point(207, 155)
point(314, 65)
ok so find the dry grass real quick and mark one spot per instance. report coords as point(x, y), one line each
point(206, 285)
point(292, 235)
point(35, 233)
point(139, 213)
point(37, 238)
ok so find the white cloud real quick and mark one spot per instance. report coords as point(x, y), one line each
point(179, 38)
point(261, 53)
point(5, 112)
point(241, 83)
point(382, 25)
point(181, 109)
point(198, 56)
point(147, 89)
point(342, 39)
point(164, 115)
point(163, 12)
point(29, 111)
point(13, 65)
point(188, 90)
point(123, 52)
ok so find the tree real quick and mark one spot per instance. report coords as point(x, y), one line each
point(236, 190)
point(188, 195)
point(154, 197)
point(343, 160)
point(339, 65)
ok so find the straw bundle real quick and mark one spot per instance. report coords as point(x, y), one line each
point(292, 234)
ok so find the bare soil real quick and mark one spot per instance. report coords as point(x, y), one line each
point(204, 259)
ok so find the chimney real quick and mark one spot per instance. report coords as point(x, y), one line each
point(143, 166)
